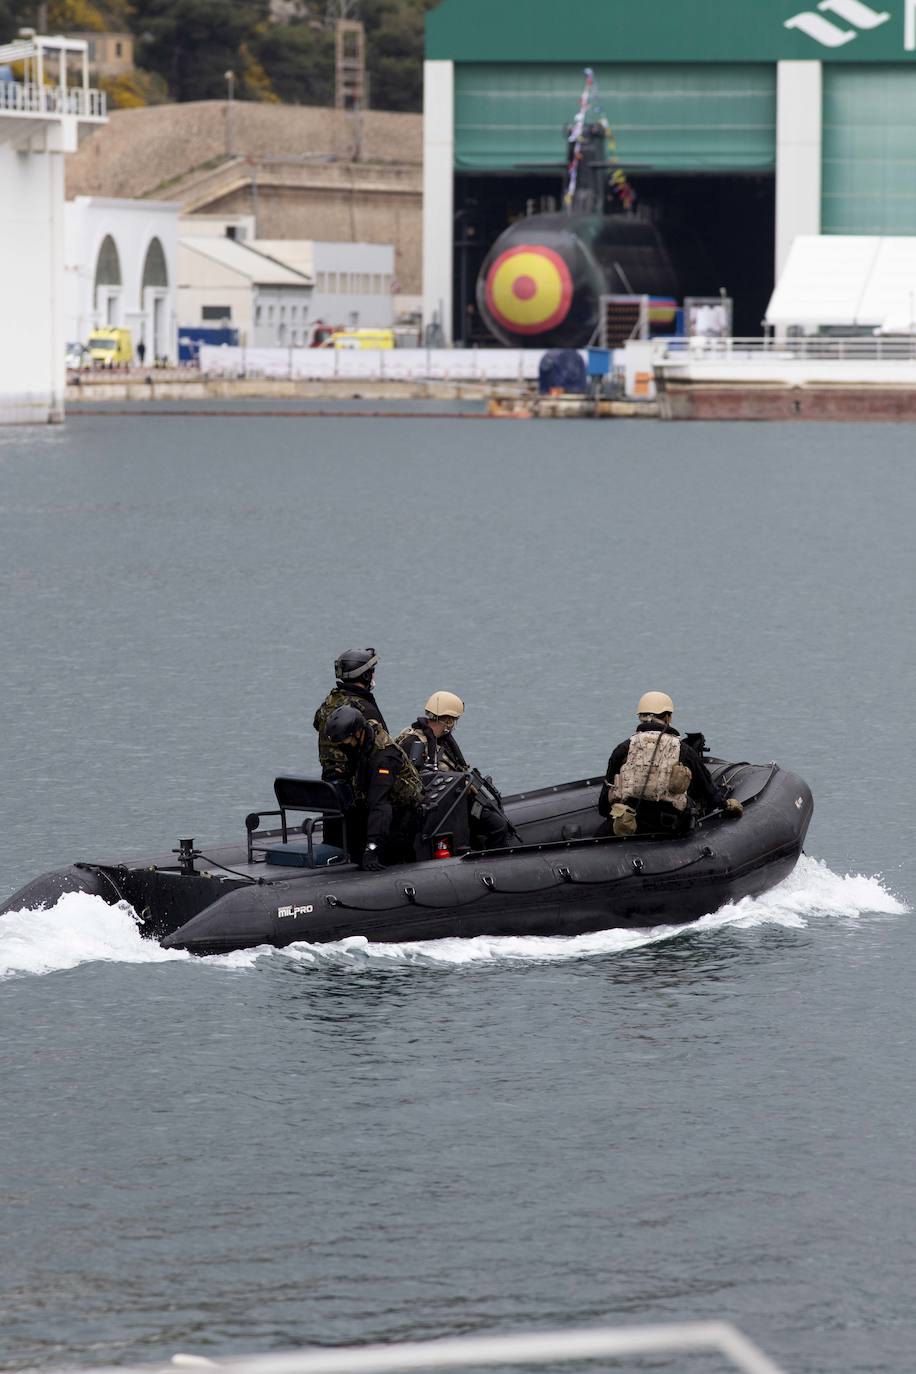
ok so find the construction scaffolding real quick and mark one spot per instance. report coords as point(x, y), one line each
point(350, 69)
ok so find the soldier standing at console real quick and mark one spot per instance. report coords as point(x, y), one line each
point(354, 671)
point(384, 816)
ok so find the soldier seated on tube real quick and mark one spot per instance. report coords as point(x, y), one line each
point(431, 747)
point(655, 782)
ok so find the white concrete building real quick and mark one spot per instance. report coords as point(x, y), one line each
point(225, 282)
point(121, 268)
point(240, 227)
point(353, 281)
point(38, 125)
point(348, 284)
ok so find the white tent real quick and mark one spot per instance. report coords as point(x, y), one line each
point(842, 281)
point(890, 292)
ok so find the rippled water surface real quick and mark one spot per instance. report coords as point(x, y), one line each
point(359, 1142)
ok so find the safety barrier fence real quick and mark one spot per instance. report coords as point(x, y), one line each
point(364, 364)
point(812, 347)
point(29, 98)
point(603, 1343)
point(521, 364)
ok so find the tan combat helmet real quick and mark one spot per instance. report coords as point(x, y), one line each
point(655, 704)
point(444, 704)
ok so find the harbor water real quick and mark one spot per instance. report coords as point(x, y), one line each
point(353, 1142)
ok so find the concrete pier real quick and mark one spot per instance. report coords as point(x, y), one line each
point(38, 126)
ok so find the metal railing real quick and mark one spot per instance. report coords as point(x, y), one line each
point(28, 98)
point(527, 1348)
point(805, 348)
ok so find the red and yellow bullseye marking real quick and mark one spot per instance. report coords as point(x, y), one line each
point(529, 289)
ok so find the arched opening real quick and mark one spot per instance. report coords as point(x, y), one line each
point(153, 303)
point(108, 281)
point(155, 272)
point(108, 265)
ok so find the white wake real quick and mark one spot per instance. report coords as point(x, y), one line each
point(81, 929)
point(78, 929)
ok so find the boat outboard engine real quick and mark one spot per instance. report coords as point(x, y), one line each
point(445, 816)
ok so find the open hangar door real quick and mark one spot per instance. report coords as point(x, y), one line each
point(719, 231)
point(697, 143)
point(485, 205)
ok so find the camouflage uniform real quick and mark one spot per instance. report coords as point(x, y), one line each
point(333, 759)
point(405, 788)
point(662, 814)
point(646, 771)
point(388, 794)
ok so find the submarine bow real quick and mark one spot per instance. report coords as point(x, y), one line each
point(541, 283)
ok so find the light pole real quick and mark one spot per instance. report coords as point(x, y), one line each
point(230, 113)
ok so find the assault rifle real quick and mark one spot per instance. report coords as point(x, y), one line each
point(488, 788)
point(487, 785)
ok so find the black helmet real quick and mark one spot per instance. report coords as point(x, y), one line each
point(343, 722)
point(355, 664)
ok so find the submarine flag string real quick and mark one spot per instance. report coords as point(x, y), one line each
point(577, 138)
point(618, 181)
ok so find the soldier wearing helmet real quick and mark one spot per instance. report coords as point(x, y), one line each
point(655, 781)
point(354, 671)
point(429, 742)
point(384, 816)
point(431, 747)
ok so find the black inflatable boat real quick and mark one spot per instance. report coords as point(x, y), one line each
point(284, 884)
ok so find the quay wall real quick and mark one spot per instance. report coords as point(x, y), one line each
point(724, 401)
point(693, 402)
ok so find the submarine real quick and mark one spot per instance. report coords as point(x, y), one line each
point(541, 283)
point(564, 875)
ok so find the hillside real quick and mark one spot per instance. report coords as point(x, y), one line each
point(279, 50)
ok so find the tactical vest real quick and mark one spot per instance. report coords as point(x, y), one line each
point(406, 789)
point(443, 754)
point(331, 756)
point(644, 778)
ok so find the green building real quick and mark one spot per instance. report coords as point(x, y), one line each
point(739, 124)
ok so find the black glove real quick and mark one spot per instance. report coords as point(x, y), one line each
point(345, 794)
point(370, 862)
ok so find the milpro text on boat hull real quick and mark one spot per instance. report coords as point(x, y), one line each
point(560, 881)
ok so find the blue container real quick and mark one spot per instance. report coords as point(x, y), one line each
point(600, 362)
point(190, 338)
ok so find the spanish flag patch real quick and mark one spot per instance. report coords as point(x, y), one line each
point(386, 771)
